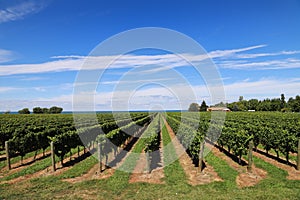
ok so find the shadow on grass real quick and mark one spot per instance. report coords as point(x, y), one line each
point(227, 153)
point(280, 160)
point(34, 160)
point(78, 159)
point(2, 158)
point(126, 150)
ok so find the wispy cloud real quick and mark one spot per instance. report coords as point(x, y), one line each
point(231, 52)
point(289, 63)
point(5, 89)
point(230, 59)
point(17, 12)
point(6, 55)
point(256, 55)
point(34, 78)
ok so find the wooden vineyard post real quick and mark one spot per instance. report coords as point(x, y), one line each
point(78, 150)
point(201, 153)
point(52, 156)
point(7, 155)
point(100, 157)
point(298, 156)
point(148, 162)
point(250, 156)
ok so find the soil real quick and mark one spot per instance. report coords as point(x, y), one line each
point(140, 173)
point(207, 175)
point(244, 179)
point(293, 173)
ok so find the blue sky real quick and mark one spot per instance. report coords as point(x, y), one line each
point(254, 44)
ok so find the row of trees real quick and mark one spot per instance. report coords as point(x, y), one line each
point(275, 104)
point(39, 110)
point(194, 107)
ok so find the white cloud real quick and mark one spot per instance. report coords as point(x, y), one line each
point(159, 62)
point(5, 89)
point(227, 53)
point(34, 78)
point(54, 66)
point(6, 55)
point(256, 55)
point(288, 63)
point(174, 97)
point(21, 10)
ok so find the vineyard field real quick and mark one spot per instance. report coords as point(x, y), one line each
point(122, 142)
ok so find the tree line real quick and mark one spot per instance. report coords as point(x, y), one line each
point(39, 110)
point(275, 104)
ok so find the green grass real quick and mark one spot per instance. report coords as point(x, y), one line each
point(119, 180)
point(174, 172)
point(80, 168)
point(274, 186)
point(18, 158)
point(35, 167)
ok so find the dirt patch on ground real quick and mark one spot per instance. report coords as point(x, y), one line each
point(244, 179)
point(208, 174)
point(247, 179)
point(140, 174)
point(293, 173)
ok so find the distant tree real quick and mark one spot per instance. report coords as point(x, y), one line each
point(37, 110)
point(253, 104)
point(295, 106)
point(241, 98)
point(282, 101)
point(290, 103)
point(221, 104)
point(55, 110)
point(203, 106)
point(7, 112)
point(194, 107)
point(24, 111)
point(275, 104)
point(265, 105)
point(235, 107)
point(45, 110)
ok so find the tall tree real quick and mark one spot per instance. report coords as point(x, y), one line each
point(194, 107)
point(24, 111)
point(37, 110)
point(203, 106)
point(45, 110)
point(282, 101)
point(241, 98)
point(295, 106)
point(221, 104)
point(253, 104)
point(55, 110)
